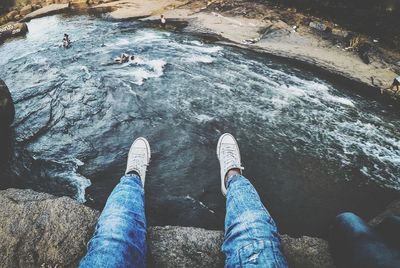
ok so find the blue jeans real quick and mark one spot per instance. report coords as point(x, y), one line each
point(251, 238)
point(355, 244)
point(119, 239)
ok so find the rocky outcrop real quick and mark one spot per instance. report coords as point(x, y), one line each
point(7, 110)
point(12, 29)
point(38, 228)
point(26, 10)
point(173, 246)
point(306, 252)
point(41, 230)
point(46, 11)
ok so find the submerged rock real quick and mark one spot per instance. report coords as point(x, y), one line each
point(12, 29)
point(7, 110)
point(39, 229)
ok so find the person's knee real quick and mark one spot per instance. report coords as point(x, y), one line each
point(346, 217)
point(350, 223)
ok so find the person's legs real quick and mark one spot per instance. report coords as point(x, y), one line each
point(355, 244)
point(251, 237)
point(120, 235)
point(119, 239)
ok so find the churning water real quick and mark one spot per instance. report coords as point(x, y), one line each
point(310, 148)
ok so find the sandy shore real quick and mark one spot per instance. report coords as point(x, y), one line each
point(267, 31)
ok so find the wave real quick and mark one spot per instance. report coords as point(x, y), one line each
point(202, 59)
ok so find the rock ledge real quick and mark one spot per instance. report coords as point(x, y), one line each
point(41, 230)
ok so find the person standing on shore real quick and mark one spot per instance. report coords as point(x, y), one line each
point(163, 21)
point(396, 83)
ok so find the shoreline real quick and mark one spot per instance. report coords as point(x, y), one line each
point(304, 46)
point(265, 32)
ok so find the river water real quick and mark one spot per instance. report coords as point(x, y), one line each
point(312, 149)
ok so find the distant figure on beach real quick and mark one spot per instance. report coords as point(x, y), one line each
point(163, 21)
point(396, 83)
point(66, 41)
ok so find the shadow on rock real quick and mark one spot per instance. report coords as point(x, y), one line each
point(7, 114)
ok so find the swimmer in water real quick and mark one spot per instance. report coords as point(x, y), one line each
point(66, 41)
point(123, 58)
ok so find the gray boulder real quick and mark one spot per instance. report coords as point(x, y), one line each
point(7, 110)
point(41, 230)
point(306, 252)
point(12, 29)
point(173, 246)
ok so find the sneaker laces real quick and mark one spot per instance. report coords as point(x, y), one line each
point(137, 162)
point(230, 157)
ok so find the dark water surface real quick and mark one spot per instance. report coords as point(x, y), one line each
point(310, 148)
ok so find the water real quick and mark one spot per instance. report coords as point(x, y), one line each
point(312, 149)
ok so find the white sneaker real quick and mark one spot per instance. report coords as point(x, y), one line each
point(229, 157)
point(139, 158)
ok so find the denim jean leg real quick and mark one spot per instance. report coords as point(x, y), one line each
point(251, 236)
point(119, 239)
point(354, 244)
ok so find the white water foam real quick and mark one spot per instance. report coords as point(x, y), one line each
point(140, 74)
point(200, 58)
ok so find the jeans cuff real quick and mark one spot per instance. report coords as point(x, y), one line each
point(231, 178)
point(133, 177)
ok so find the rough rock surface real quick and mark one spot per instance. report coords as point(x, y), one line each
point(47, 10)
point(173, 246)
point(7, 110)
point(26, 10)
point(306, 252)
point(12, 29)
point(39, 229)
